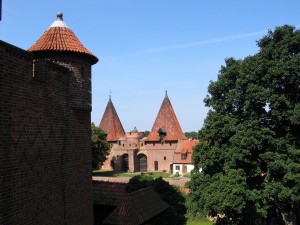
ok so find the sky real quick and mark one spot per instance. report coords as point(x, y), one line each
point(146, 47)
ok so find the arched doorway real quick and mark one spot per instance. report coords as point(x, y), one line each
point(142, 162)
point(125, 162)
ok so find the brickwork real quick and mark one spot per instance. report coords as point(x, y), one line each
point(45, 175)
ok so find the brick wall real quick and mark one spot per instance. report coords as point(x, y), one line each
point(45, 175)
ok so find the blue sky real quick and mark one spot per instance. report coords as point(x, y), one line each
point(149, 46)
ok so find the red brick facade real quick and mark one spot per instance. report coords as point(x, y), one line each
point(45, 158)
point(158, 152)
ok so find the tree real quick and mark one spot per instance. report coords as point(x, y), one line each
point(100, 148)
point(250, 142)
point(171, 194)
point(146, 134)
point(192, 134)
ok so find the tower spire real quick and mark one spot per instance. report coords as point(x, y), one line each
point(111, 123)
point(166, 123)
point(59, 38)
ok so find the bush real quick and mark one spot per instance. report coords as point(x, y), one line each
point(175, 214)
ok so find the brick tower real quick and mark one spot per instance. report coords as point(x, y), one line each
point(60, 45)
point(45, 141)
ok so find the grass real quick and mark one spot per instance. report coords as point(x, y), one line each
point(105, 173)
point(203, 222)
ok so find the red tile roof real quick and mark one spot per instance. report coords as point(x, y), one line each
point(185, 147)
point(166, 119)
point(131, 208)
point(111, 123)
point(59, 37)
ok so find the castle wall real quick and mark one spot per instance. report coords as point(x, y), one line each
point(45, 159)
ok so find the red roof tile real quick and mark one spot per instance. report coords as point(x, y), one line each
point(166, 119)
point(111, 123)
point(59, 37)
point(185, 147)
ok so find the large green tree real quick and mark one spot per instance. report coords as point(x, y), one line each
point(100, 148)
point(250, 141)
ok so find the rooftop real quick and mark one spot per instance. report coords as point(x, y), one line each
point(59, 37)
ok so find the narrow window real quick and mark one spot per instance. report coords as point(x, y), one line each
point(156, 165)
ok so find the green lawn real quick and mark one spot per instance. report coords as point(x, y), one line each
point(189, 222)
point(104, 173)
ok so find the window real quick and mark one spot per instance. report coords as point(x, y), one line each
point(177, 167)
point(184, 156)
point(155, 165)
point(165, 157)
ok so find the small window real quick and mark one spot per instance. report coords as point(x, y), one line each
point(170, 144)
point(177, 167)
point(123, 145)
point(153, 144)
point(165, 157)
point(184, 156)
point(142, 144)
point(156, 165)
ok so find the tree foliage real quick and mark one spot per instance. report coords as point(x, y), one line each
point(250, 142)
point(175, 214)
point(100, 148)
point(192, 134)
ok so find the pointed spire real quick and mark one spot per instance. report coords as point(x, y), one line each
point(60, 38)
point(166, 121)
point(111, 123)
point(59, 22)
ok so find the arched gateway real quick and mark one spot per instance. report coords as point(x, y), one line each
point(125, 162)
point(142, 163)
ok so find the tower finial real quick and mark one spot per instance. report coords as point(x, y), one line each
point(109, 95)
point(166, 94)
point(59, 16)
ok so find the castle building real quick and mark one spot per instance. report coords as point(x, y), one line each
point(165, 149)
point(45, 151)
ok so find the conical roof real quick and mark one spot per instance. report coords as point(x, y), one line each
point(60, 38)
point(111, 123)
point(166, 122)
